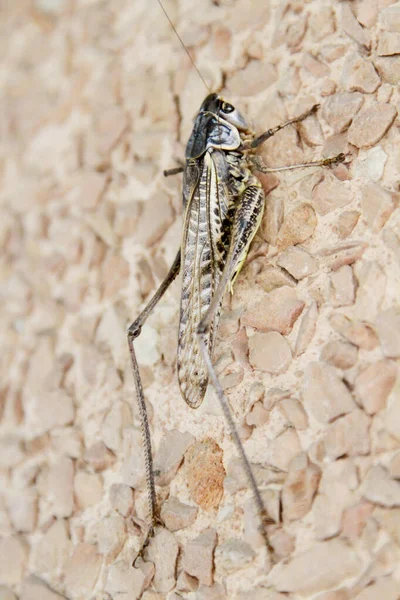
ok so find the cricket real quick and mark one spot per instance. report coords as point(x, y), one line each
point(223, 204)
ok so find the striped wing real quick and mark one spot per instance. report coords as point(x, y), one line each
point(203, 251)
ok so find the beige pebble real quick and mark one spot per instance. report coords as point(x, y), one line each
point(56, 485)
point(283, 449)
point(88, 489)
point(82, 570)
point(346, 222)
point(314, 66)
point(282, 542)
point(34, 588)
point(11, 451)
point(177, 515)
point(348, 435)
point(162, 551)
point(352, 27)
point(389, 18)
point(257, 416)
point(377, 205)
point(123, 581)
point(198, 556)
point(386, 588)
point(215, 592)
point(297, 262)
point(50, 410)
point(116, 421)
point(155, 219)
point(388, 43)
point(357, 332)
point(371, 124)
point(341, 355)
point(300, 487)
point(388, 69)
point(297, 227)
point(99, 457)
point(278, 311)
point(52, 550)
point(170, 454)
point(374, 384)
point(250, 80)
point(355, 518)
point(311, 131)
point(23, 509)
point(325, 394)
point(327, 511)
point(273, 217)
point(122, 498)
point(307, 328)
point(110, 125)
point(111, 535)
point(269, 352)
point(233, 555)
point(359, 75)
point(236, 478)
point(14, 553)
point(379, 488)
point(388, 329)
point(205, 473)
point(272, 277)
point(114, 274)
point(345, 253)
point(371, 290)
point(294, 412)
point(186, 583)
point(343, 287)
point(91, 188)
point(340, 109)
point(6, 593)
point(322, 566)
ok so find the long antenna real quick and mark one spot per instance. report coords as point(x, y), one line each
point(183, 45)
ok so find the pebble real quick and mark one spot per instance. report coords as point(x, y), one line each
point(215, 592)
point(388, 330)
point(6, 593)
point(294, 412)
point(272, 277)
point(186, 583)
point(170, 454)
point(163, 551)
point(352, 27)
point(99, 457)
point(373, 165)
point(233, 555)
point(56, 485)
point(386, 588)
point(125, 582)
point(82, 570)
point(278, 311)
point(374, 384)
point(205, 473)
point(198, 557)
point(371, 290)
point(110, 125)
point(343, 254)
point(300, 487)
point(341, 355)
point(23, 509)
point(273, 218)
point(355, 518)
point(34, 588)
point(297, 262)
point(388, 44)
point(250, 81)
point(49, 410)
point(177, 515)
point(389, 17)
point(346, 222)
point(377, 205)
point(122, 498)
point(156, 217)
point(111, 536)
point(14, 552)
point(343, 287)
point(298, 226)
point(282, 450)
point(348, 436)
point(388, 68)
point(394, 467)
point(257, 416)
point(269, 352)
point(359, 75)
point(307, 328)
point(340, 109)
point(323, 566)
point(379, 488)
point(52, 550)
point(91, 188)
point(371, 124)
point(325, 394)
point(314, 66)
point(88, 489)
point(358, 333)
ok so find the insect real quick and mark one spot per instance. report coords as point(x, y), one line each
point(223, 204)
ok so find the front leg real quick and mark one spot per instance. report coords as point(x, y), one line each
point(270, 132)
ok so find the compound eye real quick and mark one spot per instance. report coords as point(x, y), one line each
point(227, 108)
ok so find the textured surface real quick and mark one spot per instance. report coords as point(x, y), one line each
point(96, 99)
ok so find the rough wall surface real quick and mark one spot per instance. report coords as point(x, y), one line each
point(96, 99)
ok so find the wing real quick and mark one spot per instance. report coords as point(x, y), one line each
point(206, 235)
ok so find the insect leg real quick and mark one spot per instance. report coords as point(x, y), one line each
point(134, 331)
point(174, 171)
point(246, 222)
point(258, 163)
point(270, 132)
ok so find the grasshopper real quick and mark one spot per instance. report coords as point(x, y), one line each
point(223, 204)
